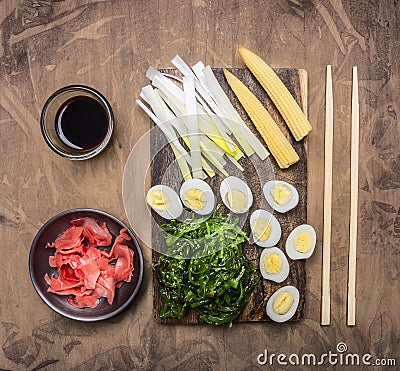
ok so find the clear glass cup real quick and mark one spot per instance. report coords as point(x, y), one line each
point(48, 122)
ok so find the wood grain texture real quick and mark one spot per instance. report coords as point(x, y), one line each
point(108, 45)
point(255, 174)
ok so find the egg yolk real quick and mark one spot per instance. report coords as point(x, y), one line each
point(272, 263)
point(158, 200)
point(261, 229)
point(283, 302)
point(195, 199)
point(236, 200)
point(281, 194)
point(303, 242)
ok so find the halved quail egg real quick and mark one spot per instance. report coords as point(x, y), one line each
point(236, 195)
point(274, 265)
point(197, 195)
point(283, 303)
point(280, 195)
point(265, 228)
point(300, 243)
point(164, 201)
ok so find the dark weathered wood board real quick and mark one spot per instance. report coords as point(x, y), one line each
point(297, 175)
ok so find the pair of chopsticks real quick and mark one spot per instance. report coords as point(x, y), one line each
point(326, 252)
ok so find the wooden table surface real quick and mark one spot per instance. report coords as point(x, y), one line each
point(108, 45)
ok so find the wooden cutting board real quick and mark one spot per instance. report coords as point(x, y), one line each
point(296, 82)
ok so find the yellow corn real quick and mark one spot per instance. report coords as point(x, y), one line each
point(280, 148)
point(279, 94)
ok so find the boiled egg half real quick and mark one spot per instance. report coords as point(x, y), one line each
point(265, 228)
point(164, 201)
point(283, 303)
point(300, 243)
point(236, 195)
point(274, 265)
point(197, 195)
point(281, 196)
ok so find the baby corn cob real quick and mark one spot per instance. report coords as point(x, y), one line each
point(279, 94)
point(281, 149)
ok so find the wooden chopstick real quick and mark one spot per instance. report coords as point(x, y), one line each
point(326, 246)
point(355, 133)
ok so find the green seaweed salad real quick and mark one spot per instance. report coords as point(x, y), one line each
point(204, 269)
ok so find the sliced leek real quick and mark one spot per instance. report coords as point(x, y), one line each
point(192, 125)
point(198, 120)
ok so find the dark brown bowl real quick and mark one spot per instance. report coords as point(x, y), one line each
point(39, 266)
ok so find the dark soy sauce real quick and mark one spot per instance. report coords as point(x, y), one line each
point(82, 123)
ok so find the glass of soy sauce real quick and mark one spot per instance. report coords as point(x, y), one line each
point(77, 122)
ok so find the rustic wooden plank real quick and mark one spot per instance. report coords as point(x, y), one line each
point(296, 175)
